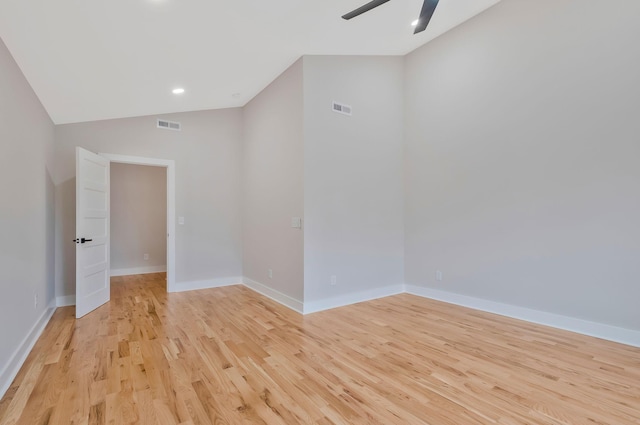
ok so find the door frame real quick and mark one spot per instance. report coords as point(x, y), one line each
point(170, 165)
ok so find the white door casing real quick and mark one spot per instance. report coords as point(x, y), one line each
point(170, 165)
point(92, 231)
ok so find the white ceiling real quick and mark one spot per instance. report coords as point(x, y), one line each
point(100, 59)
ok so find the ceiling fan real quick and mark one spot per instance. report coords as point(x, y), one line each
point(428, 7)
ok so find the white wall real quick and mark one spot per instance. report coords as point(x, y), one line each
point(26, 216)
point(138, 217)
point(273, 185)
point(352, 177)
point(522, 159)
point(207, 155)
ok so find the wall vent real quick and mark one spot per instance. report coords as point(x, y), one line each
point(341, 108)
point(169, 125)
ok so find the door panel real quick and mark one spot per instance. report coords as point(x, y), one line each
point(92, 231)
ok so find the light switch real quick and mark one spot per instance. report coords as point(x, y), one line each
point(180, 220)
point(296, 222)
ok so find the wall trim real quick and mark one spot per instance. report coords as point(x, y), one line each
point(65, 301)
point(352, 298)
point(193, 285)
point(594, 329)
point(275, 295)
point(585, 327)
point(138, 270)
point(19, 356)
point(598, 330)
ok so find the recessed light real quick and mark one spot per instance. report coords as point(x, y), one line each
point(178, 91)
point(235, 95)
point(414, 23)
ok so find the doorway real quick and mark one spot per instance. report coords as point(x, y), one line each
point(169, 165)
point(138, 211)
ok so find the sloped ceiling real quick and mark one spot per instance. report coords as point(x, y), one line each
point(99, 59)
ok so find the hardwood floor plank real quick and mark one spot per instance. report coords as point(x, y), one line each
point(229, 356)
point(19, 401)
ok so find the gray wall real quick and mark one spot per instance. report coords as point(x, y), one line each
point(522, 159)
point(26, 216)
point(273, 185)
point(352, 175)
point(207, 155)
point(138, 216)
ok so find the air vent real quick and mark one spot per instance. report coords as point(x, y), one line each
point(169, 125)
point(341, 108)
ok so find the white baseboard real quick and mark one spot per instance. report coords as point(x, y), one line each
point(277, 296)
point(352, 298)
point(598, 330)
point(193, 285)
point(138, 270)
point(19, 356)
point(65, 300)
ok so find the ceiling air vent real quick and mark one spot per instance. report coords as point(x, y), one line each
point(169, 125)
point(341, 108)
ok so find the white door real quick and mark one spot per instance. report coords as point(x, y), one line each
point(92, 231)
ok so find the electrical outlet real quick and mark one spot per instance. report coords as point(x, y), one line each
point(334, 280)
point(438, 275)
point(35, 300)
point(270, 274)
point(146, 256)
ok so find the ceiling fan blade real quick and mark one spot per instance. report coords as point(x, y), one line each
point(367, 7)
point(428, 7)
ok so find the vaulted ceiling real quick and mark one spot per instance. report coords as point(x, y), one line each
point(100, 59)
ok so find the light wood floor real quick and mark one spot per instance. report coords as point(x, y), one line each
point(230, 356)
